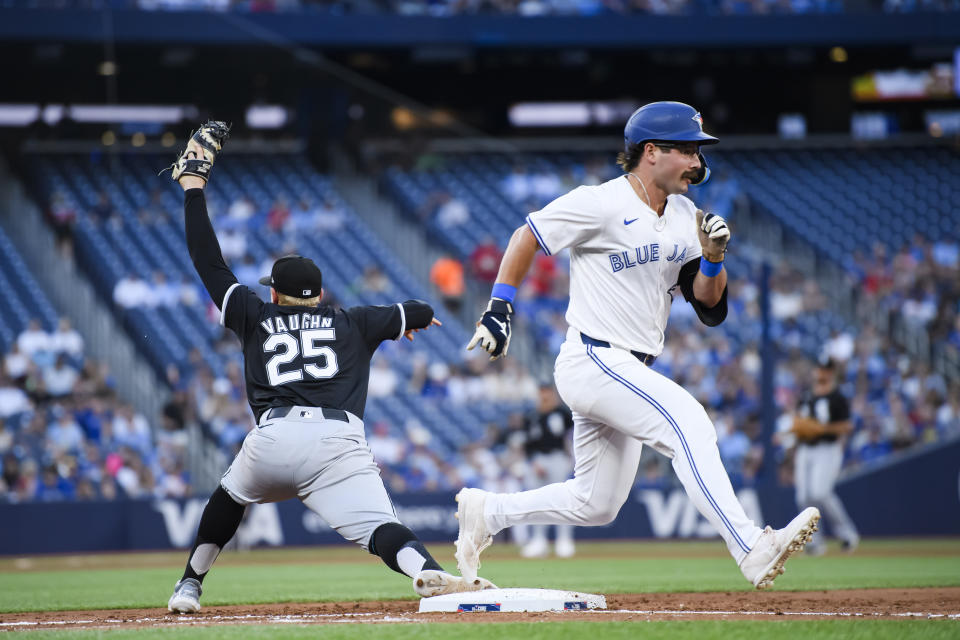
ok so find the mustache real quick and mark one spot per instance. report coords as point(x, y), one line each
point(692, 175)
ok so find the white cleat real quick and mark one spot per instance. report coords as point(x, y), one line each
point(431, 582)
point(536, 548)
point(474, 536)
point(186, 597)
point(565, 548)
point(765, 561)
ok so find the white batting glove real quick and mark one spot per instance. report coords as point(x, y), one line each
point(493, 329)
point(714, 235)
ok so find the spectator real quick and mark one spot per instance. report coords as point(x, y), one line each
point(241, 210)
point(373, 280)
point(187, 292)
point(162, 292)
point(329, 218)
point(130, 292)
point(383, 379)
point(233, 243)
point(279, 215)
point(34, 342)
point(12, 398)
point(67, 340)
point(62, 218)
point(16, 365)
point(60, 378)
point(447, 275)
point(64, 434)
point(485, 260)
point(451, 212)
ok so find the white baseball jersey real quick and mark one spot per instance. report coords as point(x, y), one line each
point(624, 259)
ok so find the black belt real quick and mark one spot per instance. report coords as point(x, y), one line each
point(645, 358)
point(329, 414)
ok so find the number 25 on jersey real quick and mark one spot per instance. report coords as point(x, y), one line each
point(292, 348)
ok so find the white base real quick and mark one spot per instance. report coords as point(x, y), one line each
point(513, 600)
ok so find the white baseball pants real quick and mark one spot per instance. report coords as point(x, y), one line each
point(619, 404)
point(816, 469)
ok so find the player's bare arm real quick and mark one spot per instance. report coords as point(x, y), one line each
point(518, 257)
point(493, 328)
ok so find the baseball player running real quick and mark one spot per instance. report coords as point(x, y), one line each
point(307, 367)
point(821, 425)
point(633, 241)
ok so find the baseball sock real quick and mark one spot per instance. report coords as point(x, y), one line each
point(220, 520)
point(401, 550)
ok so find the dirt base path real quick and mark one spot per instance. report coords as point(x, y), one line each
point(861, 603)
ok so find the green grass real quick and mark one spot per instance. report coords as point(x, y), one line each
point(344, 574)
point(702, 630)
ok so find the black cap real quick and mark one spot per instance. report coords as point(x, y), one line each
point(294, 276)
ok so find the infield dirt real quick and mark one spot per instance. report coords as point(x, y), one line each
point(866, 603)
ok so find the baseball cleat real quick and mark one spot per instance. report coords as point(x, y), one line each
point(765, 561)
point(474, 536)
point(431, 582)
point(186, 596)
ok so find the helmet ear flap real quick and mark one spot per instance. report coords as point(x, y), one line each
point(703, 174)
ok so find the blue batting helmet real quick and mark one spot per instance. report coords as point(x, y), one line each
point(668, 122)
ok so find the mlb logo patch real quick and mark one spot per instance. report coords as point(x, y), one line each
point(575, 606)
point(461, 608)
point(306, 293)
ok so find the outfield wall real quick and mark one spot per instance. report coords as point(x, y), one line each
point(916, 495)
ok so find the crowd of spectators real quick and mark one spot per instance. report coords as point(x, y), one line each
point(919, 285)
point(64, 435)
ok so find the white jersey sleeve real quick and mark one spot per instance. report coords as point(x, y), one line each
point(692, 247)
point(568, 221)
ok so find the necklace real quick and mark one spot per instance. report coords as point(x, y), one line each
point(645, 194)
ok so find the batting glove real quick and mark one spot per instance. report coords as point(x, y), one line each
point(714, 235)
point(493, 329)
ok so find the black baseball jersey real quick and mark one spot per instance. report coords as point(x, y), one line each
point(546, 434)
point(294, 355)
point(314, 357)
point(832, 407)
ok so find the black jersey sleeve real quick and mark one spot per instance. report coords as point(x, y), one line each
point(379, 323)
point(205, 248)
point(839, 407)
point(710, 316)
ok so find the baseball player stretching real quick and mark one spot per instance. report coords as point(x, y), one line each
point(307, 367)
point(633, 241)
point(821, 425)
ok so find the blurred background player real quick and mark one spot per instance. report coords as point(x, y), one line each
point(633, 241)
point(307, 367)
point(546, 445)
point(821, 426)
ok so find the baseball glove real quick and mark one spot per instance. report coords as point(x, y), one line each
point(202, 149)
point(714, 235)
point(807, 428)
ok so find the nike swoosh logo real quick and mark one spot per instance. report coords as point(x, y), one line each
point(625, 221)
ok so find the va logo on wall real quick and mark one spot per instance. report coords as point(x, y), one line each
point(672, 514)
point(261, 523)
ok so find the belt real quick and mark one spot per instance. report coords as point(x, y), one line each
point(645, 358)
point(328, 414)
